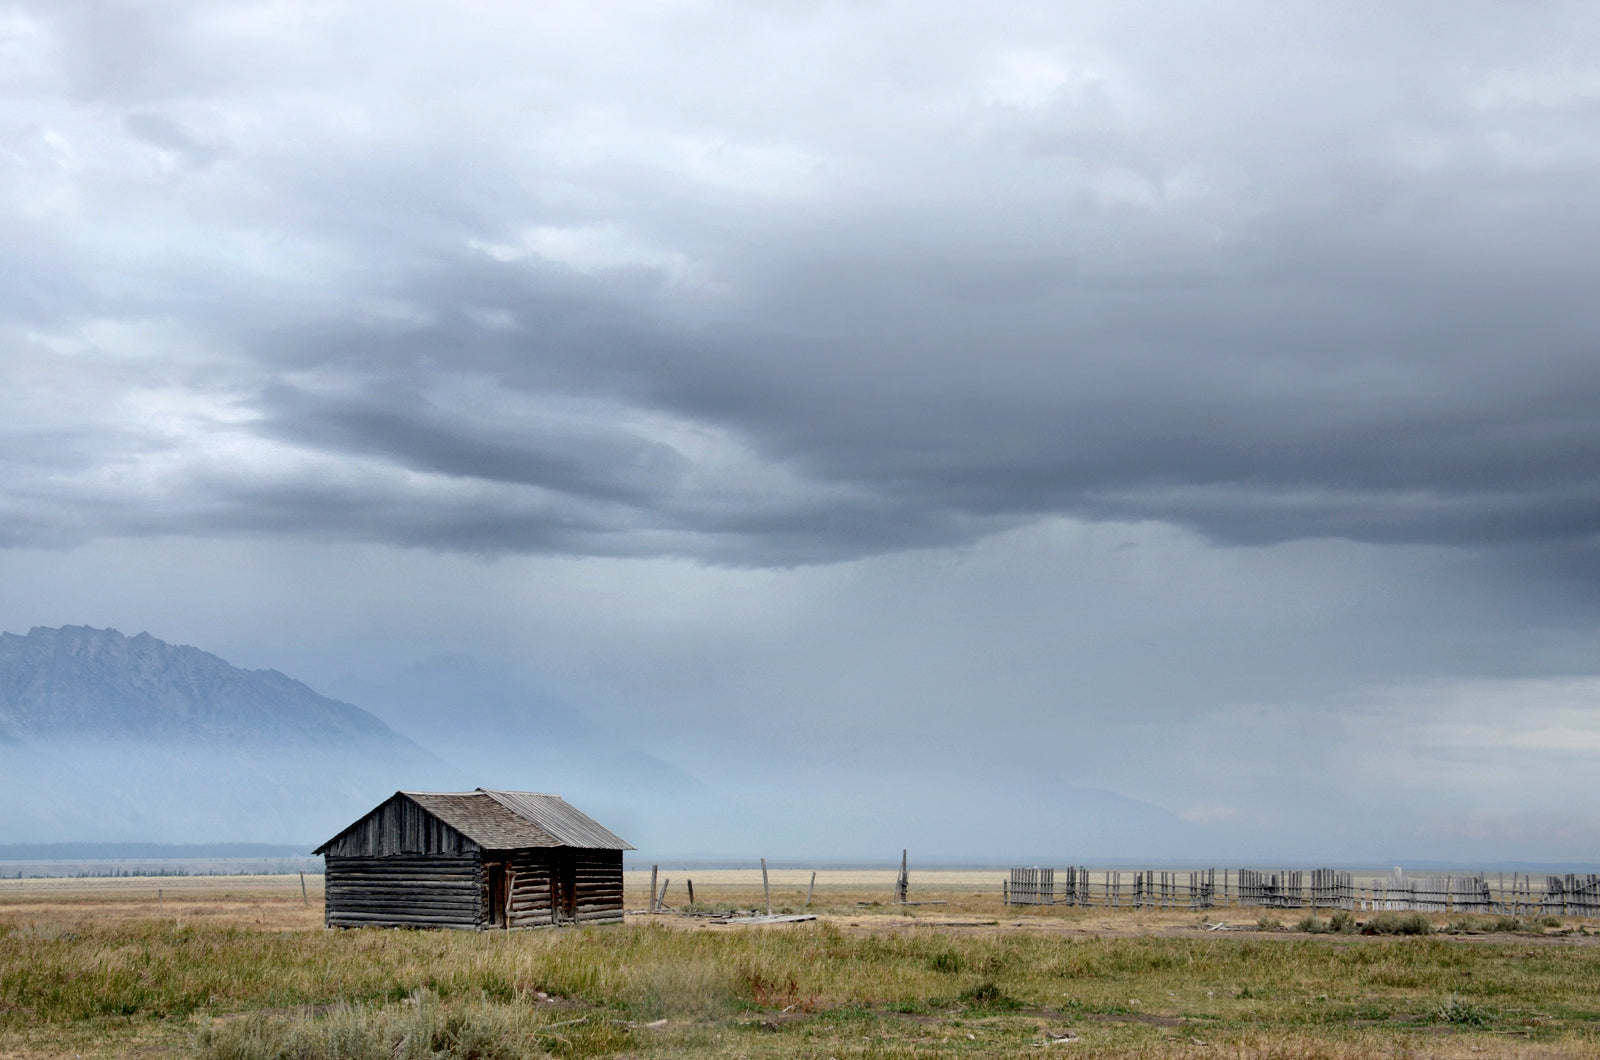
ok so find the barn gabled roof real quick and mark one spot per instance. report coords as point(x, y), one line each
point(560, 819)
point(510, 820)
point(483, 820)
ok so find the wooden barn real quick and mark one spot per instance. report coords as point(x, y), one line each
point(478, 859)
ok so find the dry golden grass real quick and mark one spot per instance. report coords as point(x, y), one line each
point(267, 902)
point(238, 968)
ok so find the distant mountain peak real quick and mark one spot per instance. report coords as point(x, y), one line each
point(82, 682)
point(116, 738)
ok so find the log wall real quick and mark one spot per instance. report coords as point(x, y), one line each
point(592, 884)
point(561, 885)
point(528, 889)
point(426, 891)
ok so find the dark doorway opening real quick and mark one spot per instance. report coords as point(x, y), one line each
point(563, 887)
point(499, 874)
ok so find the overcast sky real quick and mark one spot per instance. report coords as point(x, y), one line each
point(877, 411)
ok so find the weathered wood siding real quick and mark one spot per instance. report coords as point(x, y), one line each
point(399, 826)
point(560, 885)
point(432, 890)
point(591, 884)
point(530, 889)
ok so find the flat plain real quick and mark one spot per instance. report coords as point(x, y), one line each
point(240, 967)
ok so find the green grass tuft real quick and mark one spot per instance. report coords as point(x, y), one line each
point(1459, 1013)
point(989, 995)
point(1398, 924)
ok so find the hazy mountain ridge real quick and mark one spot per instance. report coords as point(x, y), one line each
point(80, 681)
point(121, 740)
point(111, 738)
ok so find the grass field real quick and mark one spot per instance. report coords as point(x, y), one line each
point(239, 968)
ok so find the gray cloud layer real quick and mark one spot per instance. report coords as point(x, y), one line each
point(800, 286)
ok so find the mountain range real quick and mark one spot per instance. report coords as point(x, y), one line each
point(76, 681)
point(111, 738)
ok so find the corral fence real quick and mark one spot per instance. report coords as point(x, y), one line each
point(1572, 895)
point(1433, 894)
point(1569, 895)
point(1152, 889)
point(1330, 889)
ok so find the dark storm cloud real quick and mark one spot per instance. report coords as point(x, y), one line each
point(1316, 276)
point(584, 463)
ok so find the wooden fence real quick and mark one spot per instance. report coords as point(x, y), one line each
point(1033, 887)
point(1569, 895)
point(1572, 895)
point(1134, 890)
point(1270, 890)
point(1330, 889)
point(1430, 894)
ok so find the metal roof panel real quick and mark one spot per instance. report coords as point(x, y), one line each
point(485, 821)
point(560, 819)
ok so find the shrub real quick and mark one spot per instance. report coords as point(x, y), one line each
point(988, 994)
point(1471, 925)
point(1462, 1014)
point(1398, 924)
point(1340, 923)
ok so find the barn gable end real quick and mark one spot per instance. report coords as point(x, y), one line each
point(400, 825)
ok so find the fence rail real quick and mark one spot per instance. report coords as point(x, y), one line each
point(1569, 895)
point(1134, 890)
point(1572, 895)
